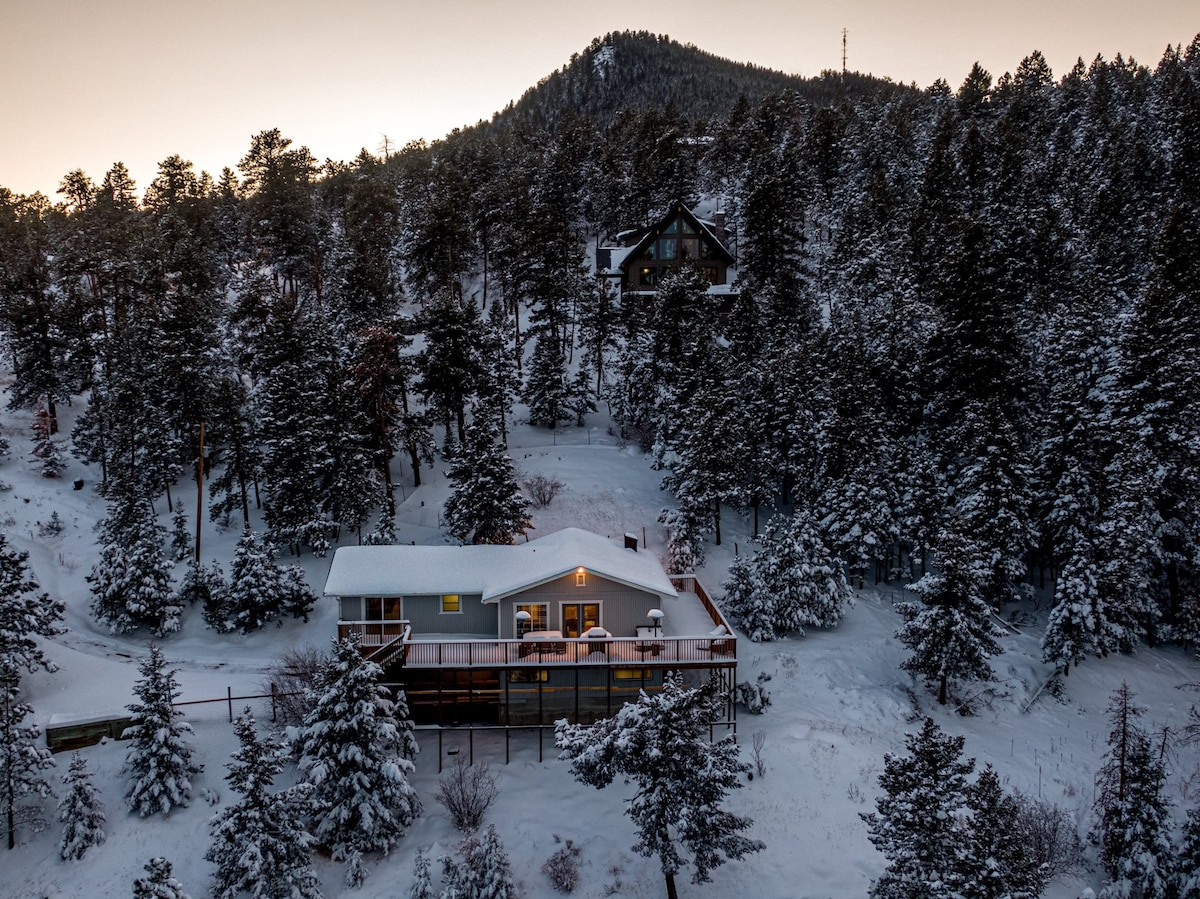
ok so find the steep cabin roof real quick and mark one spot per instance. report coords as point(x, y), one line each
point(493, 571)
point(679, 238)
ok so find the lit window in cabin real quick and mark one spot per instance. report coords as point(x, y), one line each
point(580, 577)
point(451, 602)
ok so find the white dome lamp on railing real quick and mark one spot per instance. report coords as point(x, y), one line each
point(656, 616)
point(523, 619)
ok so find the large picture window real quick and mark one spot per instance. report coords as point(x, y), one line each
point(383, 608)
point(537, 620)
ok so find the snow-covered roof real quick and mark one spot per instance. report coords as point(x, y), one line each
point(493, 571)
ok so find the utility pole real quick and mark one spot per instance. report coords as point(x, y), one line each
point(844, 33)
point(199, 492)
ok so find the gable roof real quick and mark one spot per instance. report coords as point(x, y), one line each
point(493, 571)
point(678, 209)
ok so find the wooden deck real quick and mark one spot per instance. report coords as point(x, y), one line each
point(392, 642)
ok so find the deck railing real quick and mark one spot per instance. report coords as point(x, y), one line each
point(623, 651)
point(689, 583)
point(386, 639)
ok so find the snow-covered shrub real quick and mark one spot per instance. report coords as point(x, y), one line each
point(160, 884)
point(563, 866)
point(1049, 835)
point(467, 792)
point(753, 695)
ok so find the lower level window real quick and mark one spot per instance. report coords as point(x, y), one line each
point(451, 602)
point(631, 673)
point(529, 676)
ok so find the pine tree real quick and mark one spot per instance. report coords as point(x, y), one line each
point(482, 870)
point(791, 583)
point(950, 632)
point(1187, 864)
point(685, 539)
point(258, 846)
point(1078, 613)
point(547, 389)
point(997, 863)
point(915, 824)
point(131, 583)
point(80, 812)
point(159, 884)
point(22, 761)
point(159, 760)
point(181, 534)
point(422, 884)
point(1134, 820)
point(661, 743)
point(486, 505)
point(356, 747)
point(23, 615)
point(255, 591)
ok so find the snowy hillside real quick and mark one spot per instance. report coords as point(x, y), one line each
point(838, 704)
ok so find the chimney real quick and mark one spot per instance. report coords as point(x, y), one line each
point(719, 226)
point(631, 541)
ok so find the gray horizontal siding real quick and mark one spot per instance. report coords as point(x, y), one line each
point(622, 608)
point(425, 615)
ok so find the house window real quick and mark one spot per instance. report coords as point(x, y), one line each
point(383, 608)
point(451, 602)
point(580, 577)
point(536, 621)
point(579, 617)
point(631, 673)
point(529, 676)
point(691, 248)
point(667, 248)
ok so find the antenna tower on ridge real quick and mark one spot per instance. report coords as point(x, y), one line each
point(844, 33)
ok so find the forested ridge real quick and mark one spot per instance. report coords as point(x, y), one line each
point(966, 335)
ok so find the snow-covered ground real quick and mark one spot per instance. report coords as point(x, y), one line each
point(839, 702)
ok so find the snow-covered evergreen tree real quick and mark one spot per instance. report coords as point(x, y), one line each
point(80, 812)
point(1187, 863)
point(258, 844)
point(950, 631)
point(22, 761)
point(547, 388)
point(24, 615)
point(131, 582)
point(487, 505)
point(997, 862)
point(482, 870)
point(1071, 631)
point(685, 540)
point(916, 821)
point(254, 594)
point(661, 743)
point(791, 583)
point(159, 760)
point(181, 535)
point(356, 747)
point(422, 882)
point(1134, 819)
point(45, 448)
point(159, 884)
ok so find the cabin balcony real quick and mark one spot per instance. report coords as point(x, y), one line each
point(694, 633)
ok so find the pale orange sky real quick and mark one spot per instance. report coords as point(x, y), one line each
point(84, 83)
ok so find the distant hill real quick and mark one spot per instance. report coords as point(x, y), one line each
point(639, 71)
